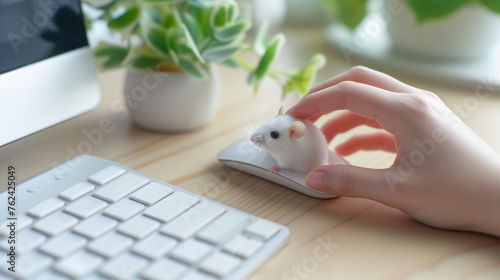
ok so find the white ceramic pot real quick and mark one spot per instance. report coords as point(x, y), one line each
point(264, 10)
point(171, 101)
point(470, 32)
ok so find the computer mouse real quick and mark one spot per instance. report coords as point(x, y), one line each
point(247, 157)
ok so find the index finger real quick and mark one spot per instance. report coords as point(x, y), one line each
point(364, 100)
point(364, 75)
point(367, 76)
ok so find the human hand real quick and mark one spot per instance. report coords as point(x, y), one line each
point(444, 175)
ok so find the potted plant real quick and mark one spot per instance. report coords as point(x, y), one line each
point(429, 28)
point(170, 48)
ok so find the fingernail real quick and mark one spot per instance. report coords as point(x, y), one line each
point(318, 180)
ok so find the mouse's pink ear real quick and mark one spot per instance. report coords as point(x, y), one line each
point(281, 111)
point(297, 129)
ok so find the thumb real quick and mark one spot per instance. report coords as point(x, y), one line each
point(351, 181)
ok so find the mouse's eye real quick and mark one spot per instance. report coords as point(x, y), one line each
point(275, 134)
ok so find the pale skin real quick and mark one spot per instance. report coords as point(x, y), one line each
point(444, 175)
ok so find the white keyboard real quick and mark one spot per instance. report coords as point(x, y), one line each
point(91, 218)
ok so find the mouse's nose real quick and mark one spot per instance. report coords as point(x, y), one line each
point(257, 139)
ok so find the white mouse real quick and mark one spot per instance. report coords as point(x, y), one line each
point(295, 144)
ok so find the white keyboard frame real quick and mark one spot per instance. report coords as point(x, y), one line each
point(54, 181)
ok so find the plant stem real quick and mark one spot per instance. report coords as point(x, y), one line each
point(243, 63)
point(274, 75)
point(281, 71)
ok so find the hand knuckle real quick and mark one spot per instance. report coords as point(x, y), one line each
point(360, 70)
point(417, 106)
point(347, 182)
point(346, 85)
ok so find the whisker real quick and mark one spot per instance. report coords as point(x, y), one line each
point(242, 121)
point(248, 124)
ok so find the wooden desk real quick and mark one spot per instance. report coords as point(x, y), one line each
point(341, 238)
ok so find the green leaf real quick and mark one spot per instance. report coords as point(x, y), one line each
point(221, 53)
point(202, 4)
point(144, 62)
point(192, 69)
point(431, 9)
point(205, 44)
point(252, 80)
point(156, 39)
point(126, 20)
point(218, 17)
point(191, 44)
point(290, 86)
point(202, 16)
point(307, 75)
point(223, 14)
point(231, 63)
point(235, 41)
point(350, 12)
point(268, 57)
point(232, 11)
point(229, 32)
point(110, 56)
point(100, 4)
point(259, 45)
point(173, 45)
point(192, 26)
point(493, 5)
point(169, 21)
point(160, 1)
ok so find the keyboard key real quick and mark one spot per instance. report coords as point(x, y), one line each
point(64, 245)
point(55, 224)
point(125, 266)
point(243, 246)
point(151, 193)
point(192, 220)
point(43, 209)
point(197, 275)
point(121, 187)
point(31, 264)
point(111, 244)
point(191, 251)
point(95, 226)
point(139, 227)
point(224, 228)
point(154, 246)
point(220, 264)
point(124, 209)
point(171, 206)
point(50, 275)
point(76, 191)
point(80, 264)
point(262, 229)
point(165, 269)
point(27, 240)
point(105, 175)
point(5, 277)
point(85, 207)
point(95, 277)
point(21, 223)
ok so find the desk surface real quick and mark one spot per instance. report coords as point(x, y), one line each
point(341, 238)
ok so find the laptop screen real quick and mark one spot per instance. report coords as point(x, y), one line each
point(32, 30)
